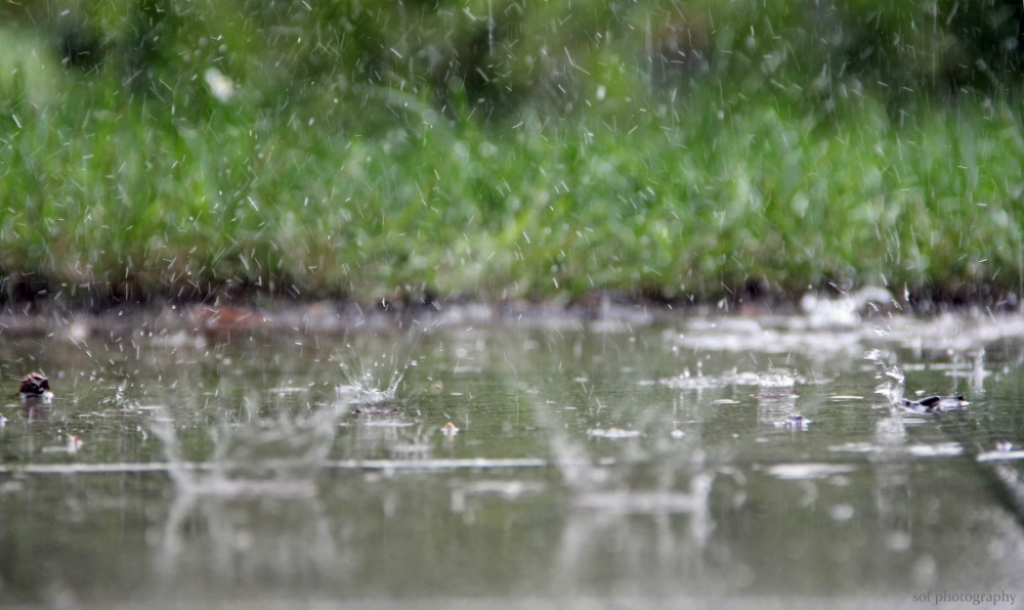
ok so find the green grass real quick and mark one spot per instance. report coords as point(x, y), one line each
point(668, 192)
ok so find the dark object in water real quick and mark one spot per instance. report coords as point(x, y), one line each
point(932, 404)
point(36, 386)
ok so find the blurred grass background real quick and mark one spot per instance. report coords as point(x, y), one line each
point(503, 149)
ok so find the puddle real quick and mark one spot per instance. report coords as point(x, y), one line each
point(694, 458)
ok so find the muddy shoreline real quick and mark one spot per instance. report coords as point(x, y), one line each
point(222, 316)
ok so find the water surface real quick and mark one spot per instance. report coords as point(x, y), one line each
point(593, 460)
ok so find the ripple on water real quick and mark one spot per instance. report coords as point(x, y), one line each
point(808, 470)
point(614, 433)
point(917, 450)
point(793, 521)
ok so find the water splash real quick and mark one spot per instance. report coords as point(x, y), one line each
point(778, 379)
point(366, 388)
point(376, 380)
point(889, 372)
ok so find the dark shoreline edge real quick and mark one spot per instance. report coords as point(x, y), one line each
point(40, 293)
point(224, 314)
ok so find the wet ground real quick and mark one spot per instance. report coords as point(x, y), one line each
point(533, 462)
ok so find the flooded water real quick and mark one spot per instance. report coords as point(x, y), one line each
point(605, 460)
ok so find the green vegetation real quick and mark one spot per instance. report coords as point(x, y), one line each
point(509, 149)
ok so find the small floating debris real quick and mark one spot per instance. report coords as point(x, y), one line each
point(794, 422)
point(932, 404)
point(613, 433)
point(36, 387)
point(808, 471)
point(449, 430)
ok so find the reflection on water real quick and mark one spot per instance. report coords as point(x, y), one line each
point(258, 465)
point(628, 459)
